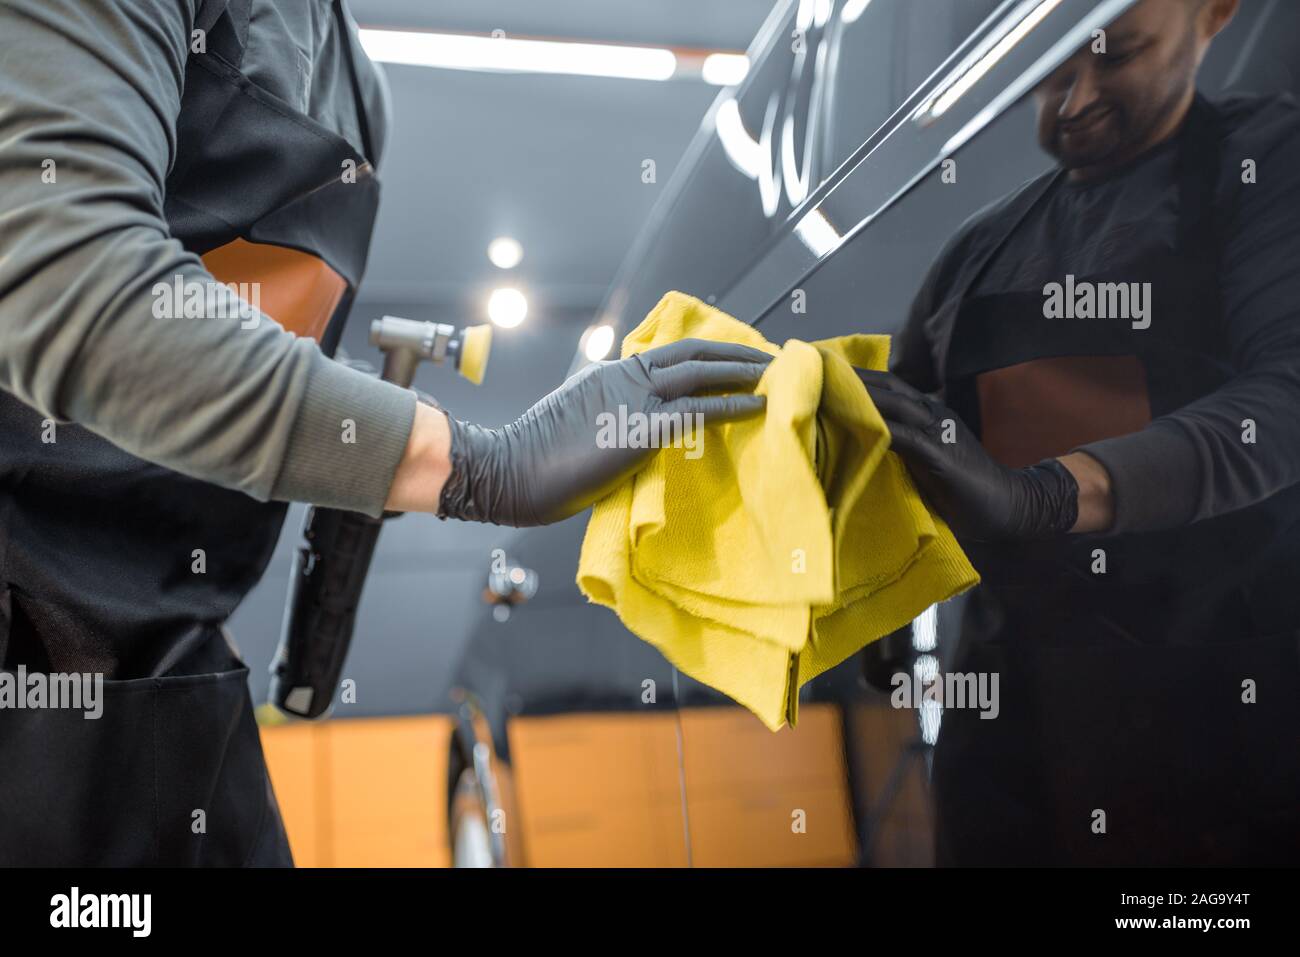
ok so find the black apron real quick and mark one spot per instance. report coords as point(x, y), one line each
point(1121, 693)
point(96, 545)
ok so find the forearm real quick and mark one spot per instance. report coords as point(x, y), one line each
point(425, 465)
point(1227, 451)
point(1096, 499)
point(88, 99)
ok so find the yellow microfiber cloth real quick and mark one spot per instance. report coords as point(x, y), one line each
point(795, 539)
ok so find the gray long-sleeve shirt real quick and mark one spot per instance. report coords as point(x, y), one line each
point(89, 95)
point(1193, 464)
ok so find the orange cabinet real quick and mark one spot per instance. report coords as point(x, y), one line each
point(367, 792)
point(588, 790)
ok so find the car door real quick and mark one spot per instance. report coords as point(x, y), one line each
point(905, 117)
point(900, 172)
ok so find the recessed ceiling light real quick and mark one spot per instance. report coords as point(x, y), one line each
point(507, 307)
point(505, 252)
point(600, 339)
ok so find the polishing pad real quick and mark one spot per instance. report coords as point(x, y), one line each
point(475, 344)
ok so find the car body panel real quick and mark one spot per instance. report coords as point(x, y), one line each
point(869, 167)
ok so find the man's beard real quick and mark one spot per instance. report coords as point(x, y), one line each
point(1103, 133)
point(1123, 128)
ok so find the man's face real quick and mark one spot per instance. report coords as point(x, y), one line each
point(1099, 110)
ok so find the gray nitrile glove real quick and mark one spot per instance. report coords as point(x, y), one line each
point(979, 497)
point(548, 464)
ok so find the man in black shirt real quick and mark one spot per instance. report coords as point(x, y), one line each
point(1115, 348)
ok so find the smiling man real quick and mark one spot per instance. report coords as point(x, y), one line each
point(1126, 485)
point(1128, 91)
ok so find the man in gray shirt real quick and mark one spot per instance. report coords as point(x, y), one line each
point(142, 143)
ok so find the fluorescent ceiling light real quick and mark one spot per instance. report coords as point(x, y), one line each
point(853, 9)
point(600, 339)
point(725, 69)
point(925, 630)
point(969, 75)
point(505, 252)
point(507, 307)
point(454, 51)
point(796, 186)
point(817, 233)
point(745, 152)
point(752, 157)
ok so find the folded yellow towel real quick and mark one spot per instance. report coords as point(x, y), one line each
point(792, 542)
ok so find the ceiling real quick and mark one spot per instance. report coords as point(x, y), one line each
point(720, 24)
point(555, 161)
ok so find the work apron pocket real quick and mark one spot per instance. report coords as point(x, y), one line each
point(148, 771)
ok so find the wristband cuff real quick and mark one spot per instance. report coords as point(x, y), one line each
point(1061, 494)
